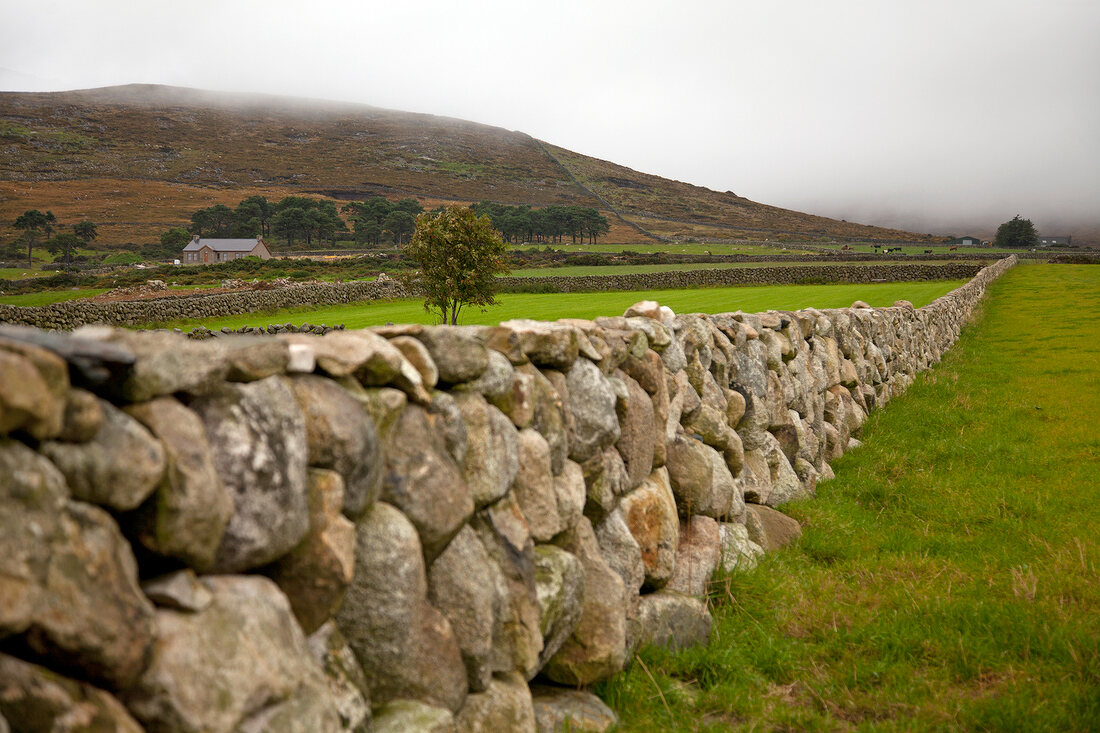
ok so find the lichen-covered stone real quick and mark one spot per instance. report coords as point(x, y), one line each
point(423, 481)
point(346, 684)
point(621, 551)
point(504, 706)
point(492, 458)
point(559, 709)
point(534, 487)
point(33, 698)
point(517, 638)
point(670, 619)
point(597, 647)
point(341, 436)
point(459, 353)
point(697, 556)
point(412, 716)
point(406, 647)
point(258, 437)
point(560, 587)
point(738, 551)
point(592, 405)
point(242, 663)
point(118, 468)
point(636, 443)
point(68, 578)
point(701, 480)
point(770, 529)
point(188, 513)
point(316, 573)
point(463, 586)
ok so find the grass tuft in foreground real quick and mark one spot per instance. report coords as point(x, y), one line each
point(949, 577)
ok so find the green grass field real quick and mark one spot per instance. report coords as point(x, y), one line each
point(551, 306)
point(50, 296)
point(581, 270)
point(949, 577)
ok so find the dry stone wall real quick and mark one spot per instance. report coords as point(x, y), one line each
point(406, 528)
point(72, 314)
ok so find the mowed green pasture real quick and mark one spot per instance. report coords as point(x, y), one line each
point(551, 306)
point(949, 577)
point(50, 296)
point(583, 270)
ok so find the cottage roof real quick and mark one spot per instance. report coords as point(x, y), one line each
point(222, 245)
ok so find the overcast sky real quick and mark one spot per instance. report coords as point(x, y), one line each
point(939, 115)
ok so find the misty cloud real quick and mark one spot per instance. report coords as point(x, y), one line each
point(936, 116)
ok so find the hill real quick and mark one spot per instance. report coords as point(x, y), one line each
point(138, 159)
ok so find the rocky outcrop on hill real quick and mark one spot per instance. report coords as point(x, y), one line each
point(407, 528)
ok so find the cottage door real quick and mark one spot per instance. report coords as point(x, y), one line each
point(206, 256)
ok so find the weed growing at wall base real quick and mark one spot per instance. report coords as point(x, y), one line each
point(949, 578)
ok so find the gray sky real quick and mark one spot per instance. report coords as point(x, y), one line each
point(938, 115)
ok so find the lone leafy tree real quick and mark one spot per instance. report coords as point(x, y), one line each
point(30, 222)
point(1016, 233)
point(459, 255)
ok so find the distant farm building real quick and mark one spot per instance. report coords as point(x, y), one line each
point(967, 241)
point(206, 251)
point(1045, 241)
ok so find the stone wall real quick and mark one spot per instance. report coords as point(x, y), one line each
point(728, 276)
point(406, 528)
point(71, 314)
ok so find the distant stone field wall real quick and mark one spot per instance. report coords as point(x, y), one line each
point(74, 313)
point(406, 528)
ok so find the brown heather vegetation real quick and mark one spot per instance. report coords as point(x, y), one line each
point(138, 159)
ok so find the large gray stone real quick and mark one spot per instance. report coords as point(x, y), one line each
point(423, 481)
point(592, 404)
point(517, 637)
point(412, 716)
point(190, 508)
point(33, 383)
point(119, 468)
point(346, 684)
point(495, 383)
point(770, 529)
point(549, 415)
point(34, 699)
point(670, 620)
point(701, 481)
point(341, 436)
point(605, 479)
point(597, 647)
point(258, 437)
point(459, 353)
point(550, 345)
point(559, 583)
point(504, 706)
point(534, 487)
point(637, 424)
point(68, 579)
point(739, 552)
point(463, 586)
point(168, 363)
point(240, 664)
point(491, 459)
point(621, 551)
point(697, 557)
point(83, 416)
point(316, 573)
point(406, 647)
point(559, 709)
